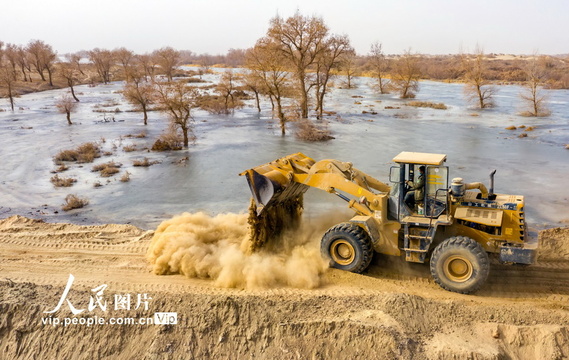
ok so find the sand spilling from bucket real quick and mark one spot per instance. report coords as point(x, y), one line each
point(218, 248)
point(274, 221)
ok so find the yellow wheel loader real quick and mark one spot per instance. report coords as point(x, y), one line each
point(419, 215)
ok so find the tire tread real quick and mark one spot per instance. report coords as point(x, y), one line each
point(464, 243)
point(360, 236)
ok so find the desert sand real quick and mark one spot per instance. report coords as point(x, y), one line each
point(232, 306)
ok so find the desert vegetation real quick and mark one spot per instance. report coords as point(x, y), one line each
point(58, 181)
point(293, 65)
point(66, 105)
point(144, 162)
point(533, 96)
point(308, 131)
point(168, 141)
point(427, 104)
point(73, 201)
point(298, 58)
point(84, 153)
point(125, 177)
point(107, 169)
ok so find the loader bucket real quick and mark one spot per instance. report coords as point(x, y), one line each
point(262, 188)
point(274, 183)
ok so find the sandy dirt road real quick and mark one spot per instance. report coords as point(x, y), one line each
point(393, 311)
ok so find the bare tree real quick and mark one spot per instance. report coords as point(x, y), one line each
point(23, 60)
point(140, 93)
point(226, 87)
point(337, 48)
point(7, 79)
point(349, 67)
point(168, 59)
point(75, 60)
point(124, 57)
point(235, 57)
point(70, 73)
point(146, 61)
point(253, 83)
point(103, 60)
point(42, 57)
point(406, 74)
point(478, 88)
point(300, 40)
point(11, 57)
point(533, 95)
point(66, 105)
point(379, 66)
point(178, 100)
point(269, 66)
point(205, 62)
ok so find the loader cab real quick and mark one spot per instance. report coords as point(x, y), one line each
point(434, 201)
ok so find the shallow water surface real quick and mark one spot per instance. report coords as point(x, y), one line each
point(476, 142)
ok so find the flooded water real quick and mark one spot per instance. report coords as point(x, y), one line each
point(475, 141)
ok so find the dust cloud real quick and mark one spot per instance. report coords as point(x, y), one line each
point(201, 246)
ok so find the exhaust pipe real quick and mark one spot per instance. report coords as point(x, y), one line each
point(491, 192)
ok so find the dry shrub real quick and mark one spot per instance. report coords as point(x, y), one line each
point(108, 103)
point(193, 80)
point(97, 184)
point(129, 148)
point(125, 177)
point(530, 128)
point(74, 202)
point(306, 130)
point(240, 94)
point(540, 113)
point(62, 168)
point(84, 153)
point(215, 104)
point(104, 111)
point(167, 142)
point(144, 162)
point(66, 155)
point(61, 181)
point(409, 95)
point(138, 136)
point(428, 104)
point(107, 169)
point(511, 127)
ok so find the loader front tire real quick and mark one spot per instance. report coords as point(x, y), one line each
point(348, 246)
point(460, 264)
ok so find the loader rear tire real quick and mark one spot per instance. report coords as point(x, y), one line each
point(460, 264)
point(348, 246)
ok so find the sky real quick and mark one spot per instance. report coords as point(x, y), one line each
point(215, 26)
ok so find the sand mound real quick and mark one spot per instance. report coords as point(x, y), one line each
point(554, 244)
point(386, 314)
